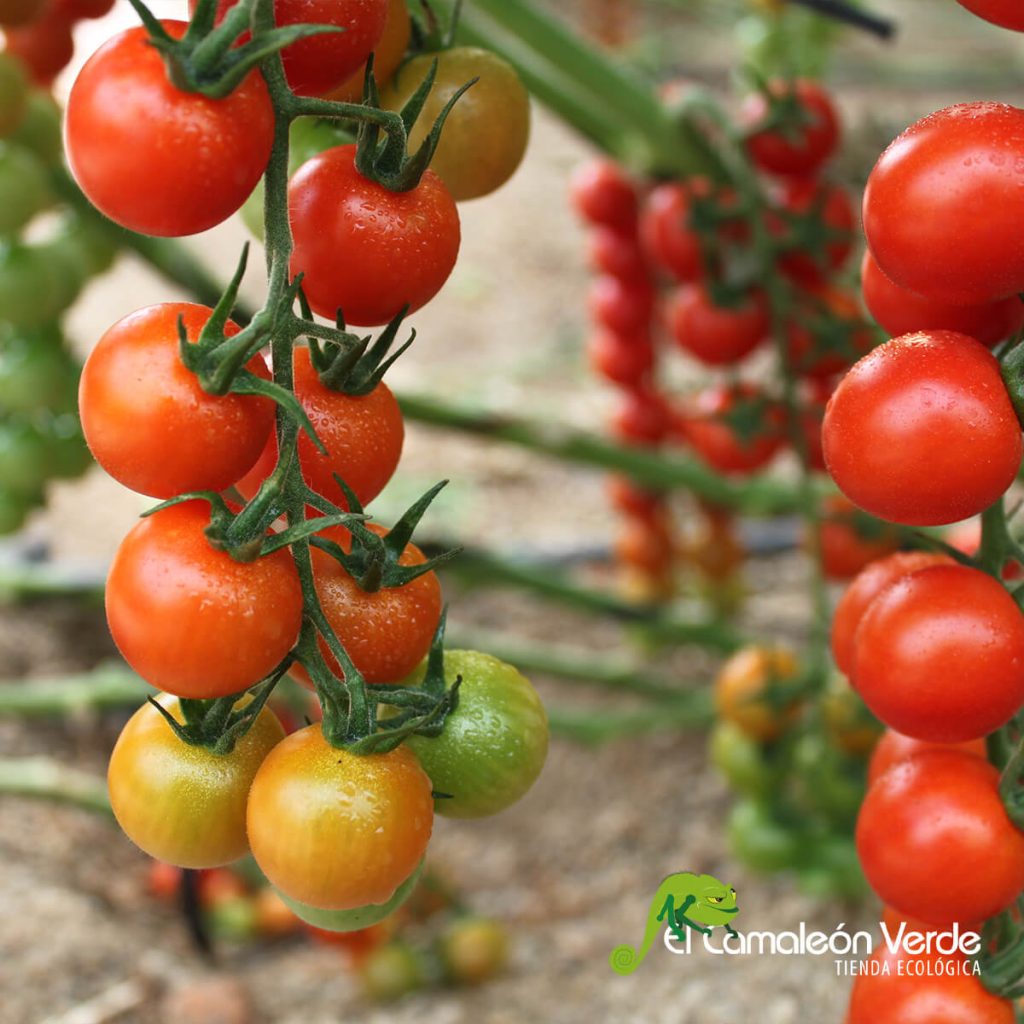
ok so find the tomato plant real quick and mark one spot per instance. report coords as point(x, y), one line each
point(622, 359)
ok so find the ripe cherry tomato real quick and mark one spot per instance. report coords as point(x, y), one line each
point(1006, 13)
point(45, 46)
point(486, 133)
point(319, 64)
point(834, 218)
point(494, 743)
point(642, 417)
point(647, 545)
point(670, 242)
point(621, 359)
point(742, 691)
point(603, 195)
point(709, 429)
point(716, 335)
point(921, 431)
point(894, 748)
point(189, 618)
point(900, 311)
point(848, 543)
point(20, 12)
point(148, 421)
point(632, 499)
point(79, 9)
point(130, 132)
point(621, 305)
point(923, 636)
point(864, 589)
point(939, 809)
point(363, 435)
point(334, 829)
point(925, 987)
point(950, 183)
point(828, 334)
point(183, 804)
point(364, 251)
point(801, 147)
point(387, 54)
point(616, 253)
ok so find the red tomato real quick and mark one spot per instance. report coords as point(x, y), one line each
point(951, 184)
point(633, 500)
point(129, 133)
point(363, 435)
point(623, 306)
point(894, 748)
point(716, 335)
point(317, 65)
point(387, 55)
point(602, 194)
point(927, 633)
point(626, 360)
point(927, 987)
point(45, 46)
point(845, 546)
point(832, 336)
point(189, 618)
point(801, 149)
point(148, 421)
point(900, 311)
point(647, 545)
point(363, 250)
point(966, 537)
point(616, 253)
point(834, 215)
point(707, 428)
point(937, 813)
point(921, 431)
point(864, 589)
point(642, 417)
point(85, 8)
point(667, 236)
point(1006, 13)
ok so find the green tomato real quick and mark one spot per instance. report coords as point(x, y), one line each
point(831, 783)
point(14, 510)
point(474, 949)
point(357, 919)
point(741, 760)
point(494, 743)
point(88, 246)
point(391, 972)
point(233, 920)
point(24, 458)
point(69, 454)
point(36, 371)
point(833, 870)
point(40, 128)
point(14, 92)
point(34, 287)
point(759, 841)
point(24, 191)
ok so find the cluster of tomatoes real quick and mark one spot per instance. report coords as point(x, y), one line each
point(213, 614)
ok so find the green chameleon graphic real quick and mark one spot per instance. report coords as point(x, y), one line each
point(683, 900)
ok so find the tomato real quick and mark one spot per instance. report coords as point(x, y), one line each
point(334, 829)
point(392, 971)
point(742, 691)
point(274, 918)
point(966, 537)
point(189, 618)
point(646, 545)
point(319, 64)
point(900, 311)
point(129, 133)
point(484, 138)
point(601, 194)
point(665, 229)
point(937, 813)
point(45, 46)
point(24, 462)
point(950, 184)
point(923, 636)
point(921, 431)
point(827, 334)
point(849, 725)
point(895, 748)
point(20, 12)
point(621, 359)
point(848, 542)
point(77, 9)
point(363, 435)
point(386, 632)
point(803, 145)
point(616, 253)
point(632, 499)
point(39, 130)
point(834, 222)
point(760, 841)
point(741, 760)
point(1006, 13)
point(148, 421)
point(858, 596)
point(643, 416)
point(364, 251)
point(716, 335)
point(926, 987)
point(33, 290)
point(710, 428)
point(621, 305)
point(387, 54)
point(14, 94)
point(494, 743)
point(36, 370)
point(473, 950)
point(183, 804)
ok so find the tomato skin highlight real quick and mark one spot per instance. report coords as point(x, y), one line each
point(928, 816)
point(337, 830)
point(129, 133)
point(816, 139)
point(148, 421)
point(951, 183)
point(928, 633)
point(363, 249)
point(894, 748)
point(190, 619)
point(183, 804)
point(921, 431)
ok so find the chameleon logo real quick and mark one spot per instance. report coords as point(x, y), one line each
point(683, 900)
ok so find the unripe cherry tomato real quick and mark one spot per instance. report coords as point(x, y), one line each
point(742, 691)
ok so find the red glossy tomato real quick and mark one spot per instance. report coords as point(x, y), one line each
point(601, 193)
point(927, 633)
point(148, 421)
point(900, 311)
point(623, 306)
point(716, 335)
point(894, 748)
point(363, 435)
point(710, 427)
point(828, 335)
point(847, 543)
point(834, 223)
point(951, 183)
point(670, 242)
point(633, 500)
point(44, 46)
point(642, 417)
point(626, 360)
point(937, 813)
point(1006, 13)
point(319, 64)
point(864, 589)
point(921, 431)
point(616, 253)
point(805, 145)
point(363, 250)
point(129, 132)
point(646, 545)
point(189, 618)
